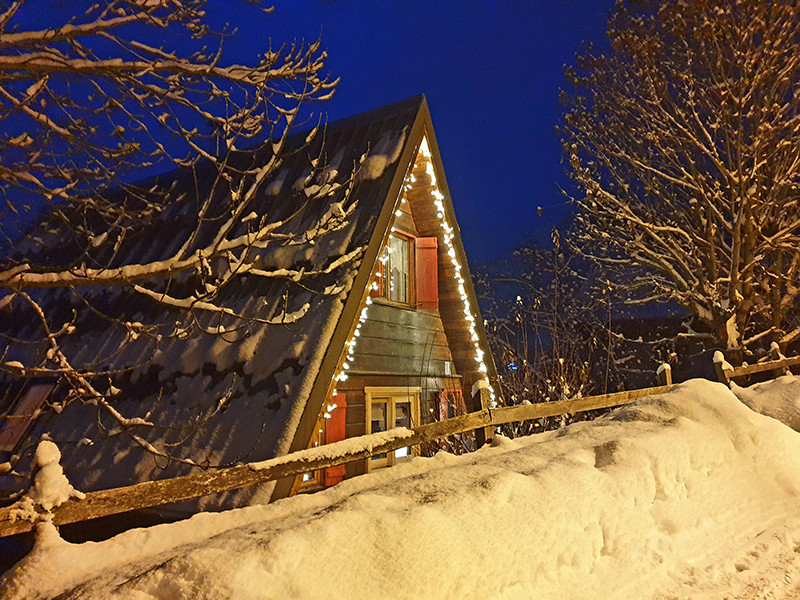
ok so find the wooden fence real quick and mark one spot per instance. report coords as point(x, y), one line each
point(727, 373)
point(154, 493)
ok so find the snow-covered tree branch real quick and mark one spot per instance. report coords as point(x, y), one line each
point(684, 143)
point(144, 166)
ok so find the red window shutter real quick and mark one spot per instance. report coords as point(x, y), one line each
point(443, 403)
point(335, 432)
point(427, 272)
point(15, 427)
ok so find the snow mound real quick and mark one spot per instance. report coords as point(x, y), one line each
point(51, 487)
point(778, 398)
point(679, 495)
point(386, 152)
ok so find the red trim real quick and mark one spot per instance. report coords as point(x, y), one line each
point(427, 272)
point(448, 398)
point(335, 431)
point(443, 406)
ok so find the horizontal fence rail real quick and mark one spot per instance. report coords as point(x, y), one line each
point(155, 493)
point(727, 372)
point(772, 365)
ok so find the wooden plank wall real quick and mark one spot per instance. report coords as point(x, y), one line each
point(398, 347)
point(401, 341)
point(451, 307)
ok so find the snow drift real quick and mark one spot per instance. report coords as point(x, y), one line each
point(687, 494)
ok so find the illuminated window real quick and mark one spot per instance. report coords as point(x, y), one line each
point(388, 408)
point(398, 272)
point(394, 275)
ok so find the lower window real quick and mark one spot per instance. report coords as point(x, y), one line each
point(388, 408)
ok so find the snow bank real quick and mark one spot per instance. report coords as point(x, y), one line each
point(675, 496)
point(778, 398)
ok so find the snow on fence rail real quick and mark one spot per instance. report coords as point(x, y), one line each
point(154, 493)
point(727, 372)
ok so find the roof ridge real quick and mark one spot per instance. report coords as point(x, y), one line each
point(372, 114)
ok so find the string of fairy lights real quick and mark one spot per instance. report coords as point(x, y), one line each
point(449, 246)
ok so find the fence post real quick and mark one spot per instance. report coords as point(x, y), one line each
point(723, 368)
point(775, 354)
point(664, 375)
point(481, 400)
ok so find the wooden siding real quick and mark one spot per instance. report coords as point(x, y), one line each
point(450, 303)
point(401, 341)
point(398, 347)
point(404, 222)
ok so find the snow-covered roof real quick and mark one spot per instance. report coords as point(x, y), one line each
point(241, 393)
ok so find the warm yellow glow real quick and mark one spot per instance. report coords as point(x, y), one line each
point(423, 147)
point(449, 247)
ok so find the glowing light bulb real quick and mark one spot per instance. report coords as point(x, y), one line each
point(423, 148)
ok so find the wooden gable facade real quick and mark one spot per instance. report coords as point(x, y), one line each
point(410, 347)
point(399, 342)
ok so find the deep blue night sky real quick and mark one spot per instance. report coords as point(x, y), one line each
point(491, 72)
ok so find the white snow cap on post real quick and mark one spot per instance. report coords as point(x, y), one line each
point(719, 358)
point(775, 349)
point(664, 374)
point(478, 385)
point(51, 487)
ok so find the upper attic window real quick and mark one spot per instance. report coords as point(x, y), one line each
point(394, 275)
point(408, 274)
point(398, 269)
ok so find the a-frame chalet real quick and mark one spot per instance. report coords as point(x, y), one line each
point(392, 338)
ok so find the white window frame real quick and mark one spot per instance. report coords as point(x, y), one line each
point(392, 395)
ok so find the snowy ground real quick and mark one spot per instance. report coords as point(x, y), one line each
point(686, 495)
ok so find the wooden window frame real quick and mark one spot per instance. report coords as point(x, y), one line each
point(393, 394)
point(382, 294)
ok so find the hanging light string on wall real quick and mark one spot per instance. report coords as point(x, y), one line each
point(448, 237)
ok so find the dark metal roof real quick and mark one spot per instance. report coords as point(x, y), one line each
point(219, 399)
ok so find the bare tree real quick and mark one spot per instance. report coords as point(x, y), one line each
point(92, 105)
point(684, 143)
point(548, 329)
